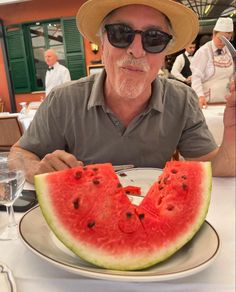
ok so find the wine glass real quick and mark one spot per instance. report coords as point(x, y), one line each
point(12, 179)
point(23, 110)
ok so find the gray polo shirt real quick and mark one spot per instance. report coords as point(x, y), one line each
point(74, 118)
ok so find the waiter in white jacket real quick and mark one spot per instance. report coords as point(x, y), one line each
point(57, 74)
point(181, 67)
point(212, 65)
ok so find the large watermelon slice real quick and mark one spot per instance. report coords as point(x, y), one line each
point(89, 211)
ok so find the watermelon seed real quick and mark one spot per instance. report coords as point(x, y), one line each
point(96, 181)
point(119, 185)
point(184, 176)
point(141, 216)
point(170, 207)
point(129, 215)
point(161, 187)
point(165, 180)
point(95, 169)
point(76, 203)
point(90, 224)
point(78, 174)
point(174, 171)
point(122, 174)
point(127, 192)
point(85, 168)
point(184, 186)
point(160, 200)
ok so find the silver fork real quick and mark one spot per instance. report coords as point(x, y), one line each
point(122, 167)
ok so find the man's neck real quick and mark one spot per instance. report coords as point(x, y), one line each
point(126, 109)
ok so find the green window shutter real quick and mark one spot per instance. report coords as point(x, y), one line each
point(74, 49)
point(17, 58)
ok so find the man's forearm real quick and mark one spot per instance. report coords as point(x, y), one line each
point(31, 162)
point(223, 164)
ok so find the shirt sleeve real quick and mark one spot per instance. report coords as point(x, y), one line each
point(177, 68)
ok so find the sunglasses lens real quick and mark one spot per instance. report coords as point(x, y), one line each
point(120, 35)
point(155, 41)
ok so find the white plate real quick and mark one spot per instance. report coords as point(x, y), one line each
point(195, 256)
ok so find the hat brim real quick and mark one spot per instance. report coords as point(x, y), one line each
point(184, 21)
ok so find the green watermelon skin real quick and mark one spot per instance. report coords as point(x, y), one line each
point(88, 210)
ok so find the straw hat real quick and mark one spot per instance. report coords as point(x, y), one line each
point(224, 24)
point(184, 21)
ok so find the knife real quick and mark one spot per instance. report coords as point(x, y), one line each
point(231, 49)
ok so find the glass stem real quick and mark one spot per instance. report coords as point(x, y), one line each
point(11, 216)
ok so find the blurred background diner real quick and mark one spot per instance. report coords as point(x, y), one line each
point(56, 74)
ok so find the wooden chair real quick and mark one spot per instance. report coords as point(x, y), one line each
point(10, 132)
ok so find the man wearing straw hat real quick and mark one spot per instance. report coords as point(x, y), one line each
point(126, 114)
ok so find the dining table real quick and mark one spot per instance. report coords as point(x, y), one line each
point(32, 272)
point(25, 117)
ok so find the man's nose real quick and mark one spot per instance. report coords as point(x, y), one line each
point(136, 47)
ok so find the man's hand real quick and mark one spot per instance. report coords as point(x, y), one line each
point(202, 102)
point(189, 80)
point(230, 110)
point(224, 162)
point(57, 160)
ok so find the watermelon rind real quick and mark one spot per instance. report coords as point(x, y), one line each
point(130, 259)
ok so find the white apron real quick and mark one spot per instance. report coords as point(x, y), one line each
point(216, 87)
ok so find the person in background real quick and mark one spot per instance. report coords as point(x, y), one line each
point(181, 67)
point(212, 65)
point(57, 74)
point(127, 114)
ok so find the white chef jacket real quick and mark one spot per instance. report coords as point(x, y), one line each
point(206, 69)
point(56, 76)
point(179, 65)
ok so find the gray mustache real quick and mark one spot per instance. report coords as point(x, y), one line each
point(141, 64)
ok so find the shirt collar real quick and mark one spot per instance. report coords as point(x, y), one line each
point(55, 65)
point(214, 48)
point(97, 95)
point(187, 54)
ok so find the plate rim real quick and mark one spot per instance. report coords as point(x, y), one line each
point(116, 276)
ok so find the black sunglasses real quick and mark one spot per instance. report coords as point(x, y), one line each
point(121, 35)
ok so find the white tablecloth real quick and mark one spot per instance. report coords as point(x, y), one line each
point(214, 119)
point(25, 120)
point(33, 273)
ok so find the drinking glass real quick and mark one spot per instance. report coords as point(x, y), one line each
point(12, 179)
point(23, 110)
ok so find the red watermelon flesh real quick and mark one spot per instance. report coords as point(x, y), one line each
point(89, 211)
